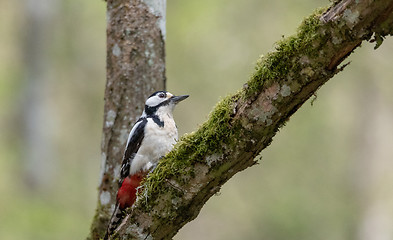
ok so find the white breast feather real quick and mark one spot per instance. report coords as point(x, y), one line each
point(157, 142)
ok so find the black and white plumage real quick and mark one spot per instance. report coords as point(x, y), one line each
point(152, 136)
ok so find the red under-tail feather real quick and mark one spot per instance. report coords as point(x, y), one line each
point(126, 196)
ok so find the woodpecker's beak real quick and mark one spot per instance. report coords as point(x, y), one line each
point(177, 99)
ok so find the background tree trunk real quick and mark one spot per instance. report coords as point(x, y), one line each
point(135, 69)
point(39, 158)
point(372, 161)
point(240, 126)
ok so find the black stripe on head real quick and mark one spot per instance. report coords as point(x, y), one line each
point(154, 94)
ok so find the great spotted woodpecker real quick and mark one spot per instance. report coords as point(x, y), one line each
point(152, 136)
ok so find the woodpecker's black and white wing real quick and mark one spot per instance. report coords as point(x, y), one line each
point(133, 144)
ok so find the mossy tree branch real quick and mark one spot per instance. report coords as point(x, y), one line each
point(243, 124)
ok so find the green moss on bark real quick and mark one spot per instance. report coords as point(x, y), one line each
point(284, 62)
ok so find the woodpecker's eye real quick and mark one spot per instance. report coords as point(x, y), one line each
point(161, 95)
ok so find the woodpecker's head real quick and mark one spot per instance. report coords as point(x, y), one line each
point(162, 100)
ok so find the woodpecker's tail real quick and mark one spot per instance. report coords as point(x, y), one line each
point(126, 196)
point(116, 219)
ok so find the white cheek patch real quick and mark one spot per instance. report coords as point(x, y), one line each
point(153, 101)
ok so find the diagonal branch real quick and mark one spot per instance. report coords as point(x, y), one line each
point(243, 124)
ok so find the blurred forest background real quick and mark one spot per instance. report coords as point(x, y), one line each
point(327, 174)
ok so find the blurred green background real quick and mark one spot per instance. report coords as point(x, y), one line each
point(327, 175)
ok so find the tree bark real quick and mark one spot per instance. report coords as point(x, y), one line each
point(135, 69)
point(39, 158)
point(243, 124)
